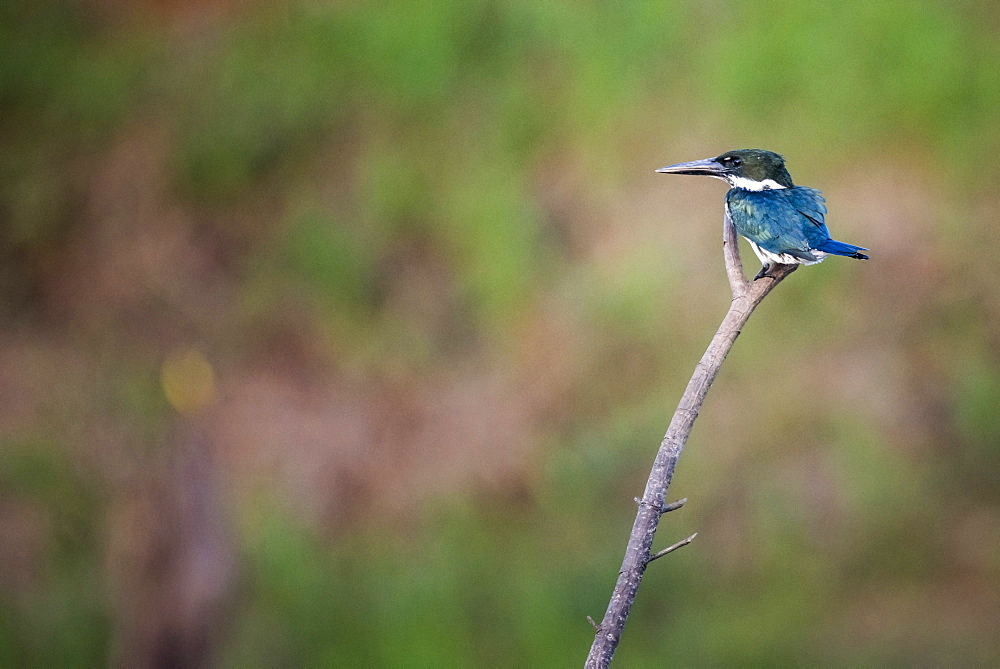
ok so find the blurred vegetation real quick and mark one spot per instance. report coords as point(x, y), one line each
point(439, 309)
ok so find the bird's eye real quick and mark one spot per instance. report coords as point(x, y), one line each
point(736, 162)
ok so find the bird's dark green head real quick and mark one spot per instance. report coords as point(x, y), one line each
point(750, 169)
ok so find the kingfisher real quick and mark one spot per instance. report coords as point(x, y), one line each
point(784, 223)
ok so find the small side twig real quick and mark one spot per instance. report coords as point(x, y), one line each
point(746, 296)
point(671, 549)
point(673, 506)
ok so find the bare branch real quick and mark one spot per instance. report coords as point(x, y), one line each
point(746, 296)
point(671, 549)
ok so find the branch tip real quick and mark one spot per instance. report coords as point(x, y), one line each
point(673, 506)
point(671, 549)
point(597, 628)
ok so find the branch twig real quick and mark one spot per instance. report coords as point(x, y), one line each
point(671, 549)
point(746, 296)
point(673, 506)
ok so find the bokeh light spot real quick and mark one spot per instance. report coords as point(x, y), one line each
point(188, 380)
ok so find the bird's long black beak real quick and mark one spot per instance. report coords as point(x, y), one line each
point(708, 167)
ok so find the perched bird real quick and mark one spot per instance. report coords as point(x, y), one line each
point(783, 222)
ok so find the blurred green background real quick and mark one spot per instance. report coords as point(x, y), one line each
point(344, 334)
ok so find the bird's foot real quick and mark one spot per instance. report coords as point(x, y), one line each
point(764, 272)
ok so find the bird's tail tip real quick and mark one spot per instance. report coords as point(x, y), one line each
point(842, 249)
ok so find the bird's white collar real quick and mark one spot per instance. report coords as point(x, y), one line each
point(750, 184)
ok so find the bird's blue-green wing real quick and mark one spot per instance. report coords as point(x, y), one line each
point(810, 203)
point(788, 220)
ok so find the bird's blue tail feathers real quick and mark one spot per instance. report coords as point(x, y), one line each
point(842, 249)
